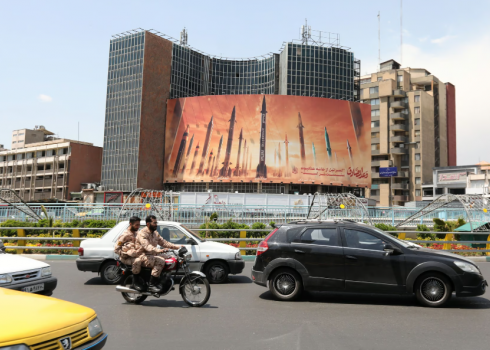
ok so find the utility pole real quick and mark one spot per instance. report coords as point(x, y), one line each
point(379, 39)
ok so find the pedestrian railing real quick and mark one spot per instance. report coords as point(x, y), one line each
point(242, 240)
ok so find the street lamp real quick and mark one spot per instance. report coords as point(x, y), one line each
point(391, 184)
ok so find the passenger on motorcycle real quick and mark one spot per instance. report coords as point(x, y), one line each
point(148, 239)
point(128, 253)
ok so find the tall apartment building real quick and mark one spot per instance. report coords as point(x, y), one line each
point(147, 67)
point(50, 169)
point(413, 127)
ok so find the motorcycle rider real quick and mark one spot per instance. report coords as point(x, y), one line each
point(148, 239)
point(129, 254)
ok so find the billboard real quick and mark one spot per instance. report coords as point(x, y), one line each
point(268, 138)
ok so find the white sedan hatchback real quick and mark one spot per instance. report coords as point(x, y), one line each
point(216, 260)
point(25, 274)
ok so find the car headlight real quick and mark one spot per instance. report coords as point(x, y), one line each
point(94, 328)
point(238, 256)
point(46, 271)
point(5, 279)
point(15, 347)
point(466, 267)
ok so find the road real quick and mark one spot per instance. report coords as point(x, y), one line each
point(242, 315)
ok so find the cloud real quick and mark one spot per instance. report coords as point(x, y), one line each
point(424, 39)
point(45, 98)
point(442, 40)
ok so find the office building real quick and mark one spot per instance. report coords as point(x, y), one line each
point(23, 137)
point(146, 68)
point(49, 169)
point(413, 127)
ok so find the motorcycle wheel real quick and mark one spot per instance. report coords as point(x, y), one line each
point(195, 290)
point(132, 298)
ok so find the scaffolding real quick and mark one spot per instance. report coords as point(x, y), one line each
point(143, 203)
point(475, 206)
point(338, 206)
point(9, 196)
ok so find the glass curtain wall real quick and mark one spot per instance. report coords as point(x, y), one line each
point(123, 111)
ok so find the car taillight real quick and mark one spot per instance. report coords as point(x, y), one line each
point(263, 246)
point(80, 251)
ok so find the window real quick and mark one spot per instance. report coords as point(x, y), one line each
point(375, 124)
point(40, 167)
point(321, 236)
point(417, 121)
point(417, 156)
point(417, 168)
point(373, 90)
point(416, 98)
point(20, 134)
point(416, 110)
point(380, 78)
point(418, 180)
point(40, 154)
point(172, 235)
point(417, 133)
point(375, 102)
point(375, 113)
point(374, 147)
point(417, 193)
point(375, 135)
point(14, 141)
point(399, 78)
point(362, 240)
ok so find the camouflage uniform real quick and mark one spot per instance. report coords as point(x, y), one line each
point(153, 256)
point(127, 251)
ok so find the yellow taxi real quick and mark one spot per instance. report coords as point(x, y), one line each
point(37, 322)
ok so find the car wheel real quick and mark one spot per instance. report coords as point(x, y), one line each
point(433, 289)
point(217, 272)
point(110, 273)
point(285, 284)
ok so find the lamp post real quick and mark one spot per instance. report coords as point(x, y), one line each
point(391, 184)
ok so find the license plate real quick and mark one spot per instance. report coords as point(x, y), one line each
point(33, 289)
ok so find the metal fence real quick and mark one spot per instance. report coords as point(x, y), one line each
point(21, 238)
point(195, 215)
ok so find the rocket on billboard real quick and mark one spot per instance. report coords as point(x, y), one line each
point(205, 148)
point(237, 166)
point(225, 170)
point(218, 156)
point(301, 139)
point(180, 154)
point(262, 167)
point(286, 174)
point(195, 156)
point(186, 159)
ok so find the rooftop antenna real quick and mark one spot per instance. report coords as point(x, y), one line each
point(401, 32)
point(379, 40)
point(183, 37)
point(305, 32)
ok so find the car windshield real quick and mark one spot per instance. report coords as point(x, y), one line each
point(192, 233)
point(399, 241)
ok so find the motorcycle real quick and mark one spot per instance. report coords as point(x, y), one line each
point(193, 287)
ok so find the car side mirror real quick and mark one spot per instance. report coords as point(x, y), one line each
point(390, 250)
point(190, 241)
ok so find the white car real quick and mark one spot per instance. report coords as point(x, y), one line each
point(25, 274)
point(216, 260)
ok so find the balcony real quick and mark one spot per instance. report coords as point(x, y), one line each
point(382, 163)
point(398, 127)
point(399, 93)
point(374, 175)
point(416, 127)
point(400, 186)
point(399, 139)
point(375, 187)
point(375, 129)
point(376, 198)
point(374, 140)
point(399, 150)
point(398, 116)
point(400, 198)
point(374, 151)
point(41, 183)
point(399, 105)
point(416, 139)
point(402, 174)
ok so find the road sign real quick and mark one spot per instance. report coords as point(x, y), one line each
point(388, 172)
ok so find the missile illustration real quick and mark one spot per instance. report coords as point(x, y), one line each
point(225, 170)
point(350, 154)
point(314, 153)
point(195, 156)
point(215, 172)
point(336, 160)
point(208, 168)
point(187, 155)
point(244, 158)
point(212, 167)
point(327, 144)
point(205, 148)
point(279, 173)
point(180, 153)
point(262, 167)
point(287, 156)
point(237, 167)
point(301, 139)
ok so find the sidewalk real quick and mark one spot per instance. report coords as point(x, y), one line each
point(245, 257)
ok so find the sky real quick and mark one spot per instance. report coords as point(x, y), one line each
point(54, 54)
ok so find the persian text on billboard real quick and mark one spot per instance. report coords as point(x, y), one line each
point(267, 138)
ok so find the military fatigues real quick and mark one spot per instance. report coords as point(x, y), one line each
point(153, 256)
point(127, 251)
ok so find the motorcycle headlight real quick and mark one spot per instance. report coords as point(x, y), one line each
point(466, 267)
point(238, 256)
point(94, 328)
point(15, 347)
point(5, 279)
point(46, 271)
point(188, 257)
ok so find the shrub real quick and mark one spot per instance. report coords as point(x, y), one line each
point(425, 236)
point(385, 227)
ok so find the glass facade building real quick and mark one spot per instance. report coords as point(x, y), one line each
point(300, 69)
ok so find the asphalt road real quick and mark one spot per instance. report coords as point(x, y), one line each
point(242, 315)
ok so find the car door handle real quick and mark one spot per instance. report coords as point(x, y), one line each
point(351, 257)
point(299, 251)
